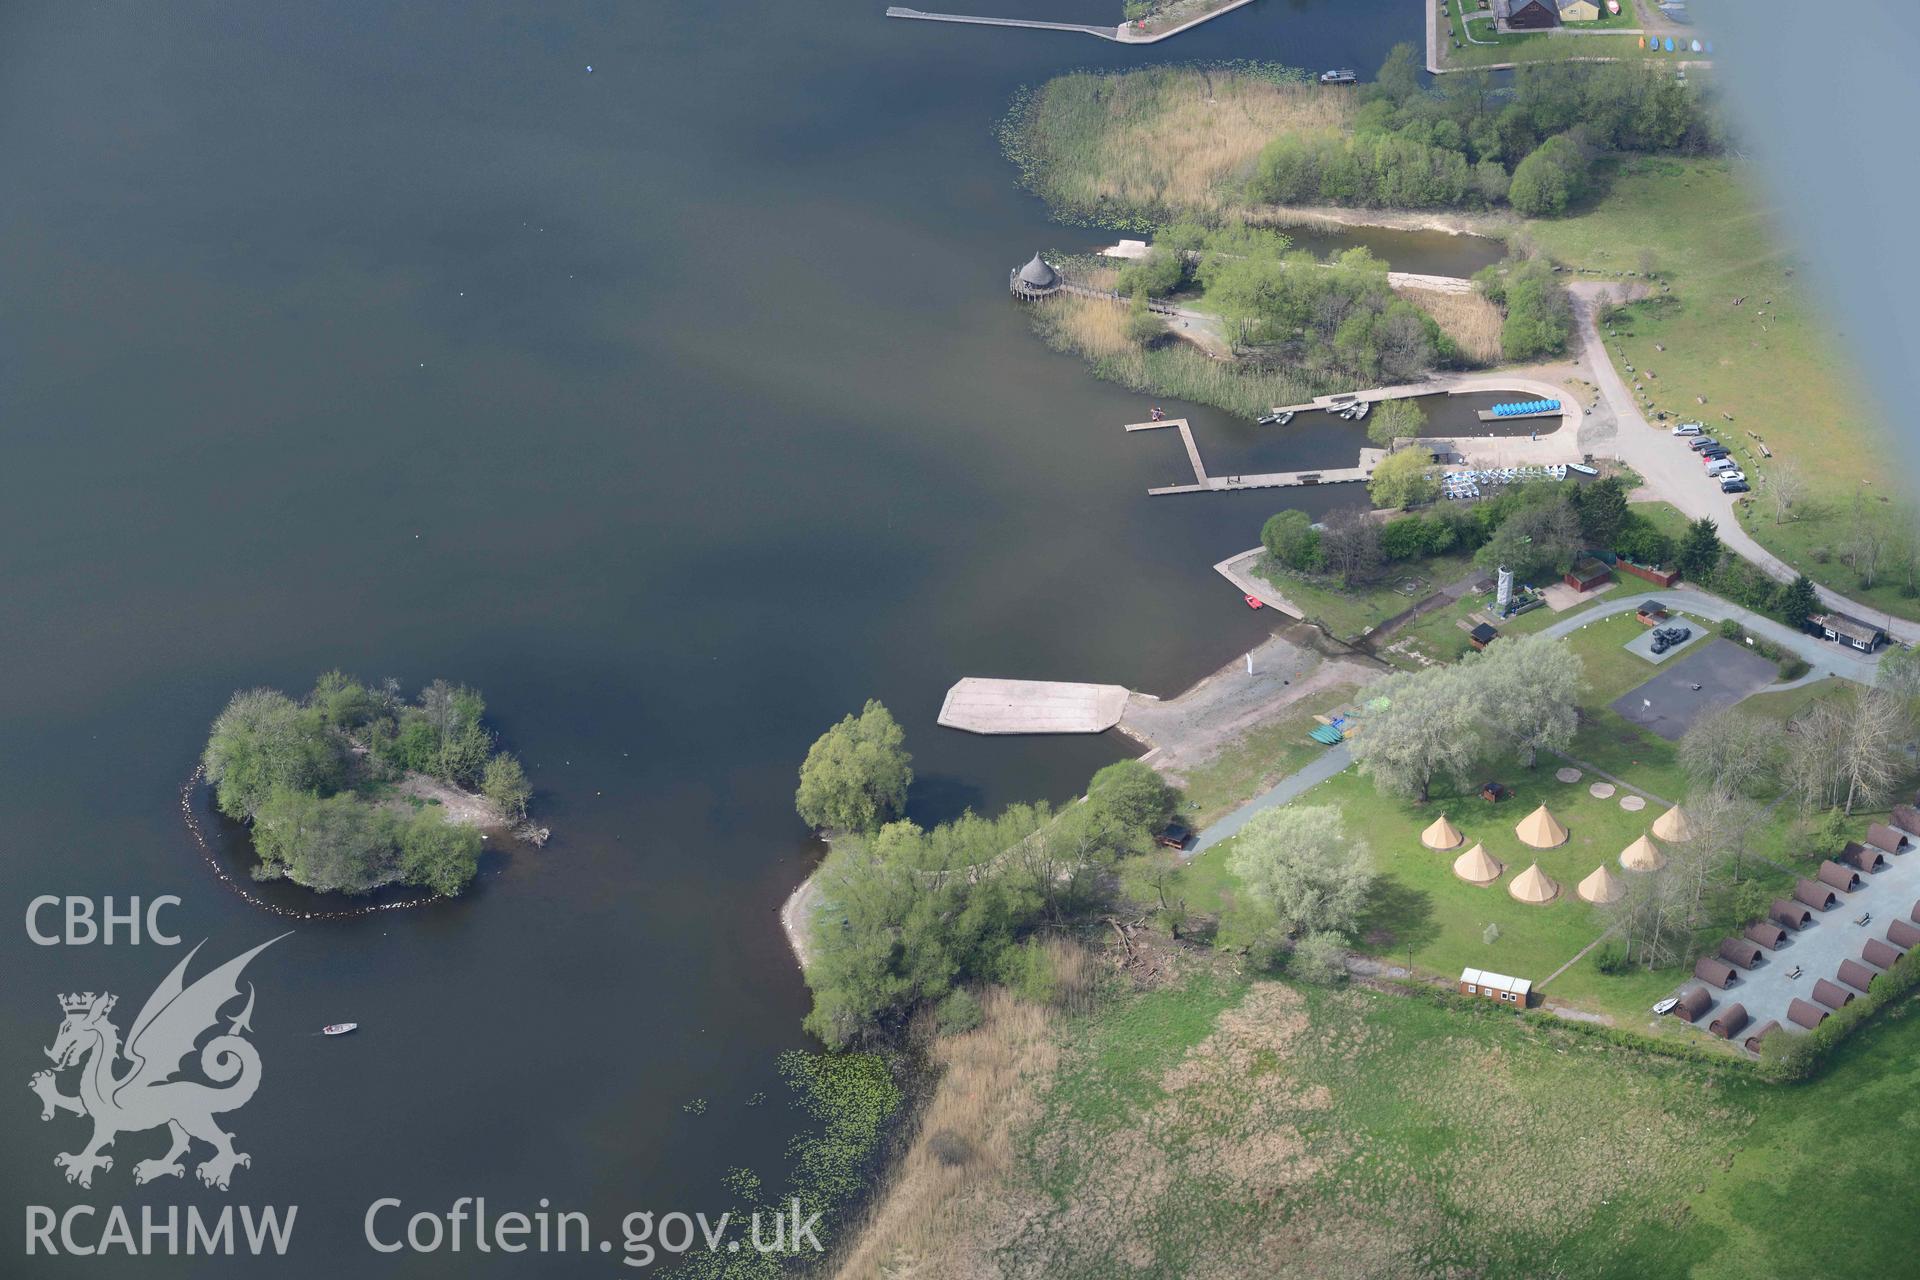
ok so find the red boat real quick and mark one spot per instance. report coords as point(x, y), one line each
point(1253, 602)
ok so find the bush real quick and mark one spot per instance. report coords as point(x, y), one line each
point(1291, 539)
point(1793, 667)
point(1731, 628)
point(959, 1011)
point(1320, 958)
point(1553, 176)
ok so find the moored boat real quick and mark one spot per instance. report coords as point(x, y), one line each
point(1253, 602)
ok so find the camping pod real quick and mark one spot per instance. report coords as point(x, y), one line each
point(1717, 972)
point(1727, 1023)
point(1765, 933)
point(1817, 896)
point(1789, 914)
point(1802, 1014)
point(1857, 975)
point(1905, 818)
point(1892, 839)
point(1881, 955)
point(1835, 876)
point(1832, 994)
point(1902, 934)
point(1739, 951)
point(1694, 1001)
point(1862, 858)
point(1752, 1043)
point(1442, 835)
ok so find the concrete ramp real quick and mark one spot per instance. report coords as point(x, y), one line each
point(980, 705)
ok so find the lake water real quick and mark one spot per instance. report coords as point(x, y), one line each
point(678, 406)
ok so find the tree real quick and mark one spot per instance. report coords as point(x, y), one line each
point(1136, 794)
point(1399, 76)
point(1143, 327)
point(1535, 540)
point(1300, 863)
point(1552, 177)
point(1533, 683)
point(1866, 541)
point(1539, 316)
point(1431, 724)
point(1849, 751)
point(334, 844)
point(1648, 919)
point(1699, 553)
point(1320, 958)
point(1393, 420)
point(1799, 602)
point(856, 774)
point(1602, 506)
point(1350, 546)
point(1731, 749)
point(435, 854)
point(1786, 486)
point(1404, 479)
point(1899, 678)
point(1291, 539)
point(264, 740)
point(506, 785)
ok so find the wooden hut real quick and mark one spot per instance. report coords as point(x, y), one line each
point(1494, 986)
point(1752, 1043)
point(1857, 975)
point(1739, 951)
point(1442, 835)
point(1835, 876)
point(1717, 972)
point(1790, 914)
point(1902, 934)
point(1862, 858)
point(1864, 636)
point(1831, 994)
point(1765, 933)
point(1803, 1014)
point(1525, 15)
point(1727, 1023)
point(1882, 955)
point(1815, 895)
point(1892, 839)
point(1694, 1001)
point(1586, 574)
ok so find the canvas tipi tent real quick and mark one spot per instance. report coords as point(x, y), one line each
point(1533, 887)
point(1642, 855)
point(1477, 866)
point(1601, 887)
point(1541, 830)
point(1442, 835)
point(1673, 825)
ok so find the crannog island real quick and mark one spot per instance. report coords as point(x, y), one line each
point(352, 788)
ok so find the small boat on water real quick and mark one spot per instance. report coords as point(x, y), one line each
point(1253, 602)
point(339, 1028)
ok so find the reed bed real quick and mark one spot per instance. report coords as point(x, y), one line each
point(1469, 319)
point(1160, 142)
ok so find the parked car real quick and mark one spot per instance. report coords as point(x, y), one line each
point(1735, 486)
point(1702, 442)
point(1715, 453)
point(1687, 429)
point(1724, 476)
point(1715, 465)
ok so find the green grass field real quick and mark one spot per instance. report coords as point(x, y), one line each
point(1223, 1128)
point(1348, 613)
point(1774, 361)
point(1489, 47)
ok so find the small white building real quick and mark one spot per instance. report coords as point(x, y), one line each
point(1495, 986)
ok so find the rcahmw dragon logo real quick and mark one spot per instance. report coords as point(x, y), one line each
point(146, 1095)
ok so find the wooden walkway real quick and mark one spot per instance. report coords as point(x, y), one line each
point(1204, 483)
point(1105, 33)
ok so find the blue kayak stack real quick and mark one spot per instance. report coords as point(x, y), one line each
point(1525, 406)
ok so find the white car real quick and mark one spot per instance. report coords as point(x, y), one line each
point(1724, 476)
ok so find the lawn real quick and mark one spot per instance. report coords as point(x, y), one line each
point(1770, 367)
point(1350, 613)
point(1440, 636)
point(1489, 46)
point(1216, 1127)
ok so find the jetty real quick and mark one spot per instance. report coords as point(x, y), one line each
point(1105, 33)
point(981, 705)
point(1204, 483)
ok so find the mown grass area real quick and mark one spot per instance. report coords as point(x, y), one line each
point(1211, 1128)
point(1490, 47)
point(1441, 636)
point(1350, 612)
point(1774, 361)
point(1258, 759)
